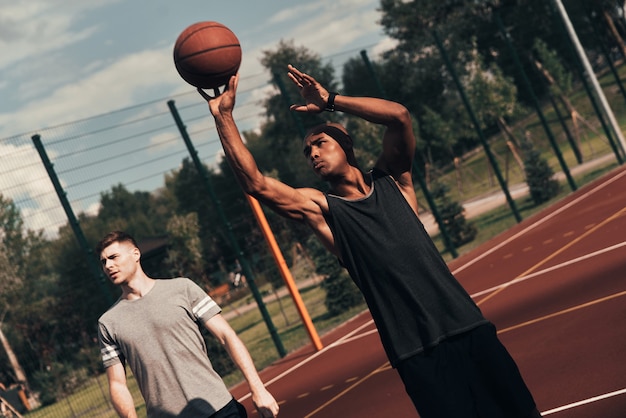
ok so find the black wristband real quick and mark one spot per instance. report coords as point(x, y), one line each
point(330, 103)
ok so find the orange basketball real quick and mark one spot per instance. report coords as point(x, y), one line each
point(207, 54)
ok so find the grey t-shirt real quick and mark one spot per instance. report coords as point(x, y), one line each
point(159, 336)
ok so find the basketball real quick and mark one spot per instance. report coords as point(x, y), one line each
point(207, 54)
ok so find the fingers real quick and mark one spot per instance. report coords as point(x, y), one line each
point(231, 86)
point(233, 82)
point(204, 94)
point(299, 78)
point(267, 412)
point(298, 108)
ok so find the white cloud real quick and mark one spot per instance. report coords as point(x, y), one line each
point(163, 142)
point(32, 28)
point(112, 87)
point(26, 182)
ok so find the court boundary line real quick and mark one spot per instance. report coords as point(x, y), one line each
point(550, 269)
point(310, 358)
point(555, 253)
point(379, 369)
point(563, 311)
point(539, 222)
point(584, 402)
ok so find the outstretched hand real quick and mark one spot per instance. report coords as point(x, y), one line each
point(224, 102)
point(315, 95)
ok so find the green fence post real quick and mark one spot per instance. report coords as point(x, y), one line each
point(94, 265)
point(247, 271)
point(479, 131)
point(529, 88)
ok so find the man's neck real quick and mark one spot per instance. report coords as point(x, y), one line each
point(138, 287)
point(353, 186)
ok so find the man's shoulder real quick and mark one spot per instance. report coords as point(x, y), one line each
point(317, 200)
point(175, 282)
point(110, 313)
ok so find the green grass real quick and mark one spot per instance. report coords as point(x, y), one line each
point(92, 401)
point(500, 219)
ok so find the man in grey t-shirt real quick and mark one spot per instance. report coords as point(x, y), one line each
point(155, 327)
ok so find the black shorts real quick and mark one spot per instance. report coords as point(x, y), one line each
point(469, 375)
point(233, 409)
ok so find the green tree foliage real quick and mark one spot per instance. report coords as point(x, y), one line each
point(539, 176)
point(23, 265)
point(191, 192)
point(561, 80)
point(136, 213)
point(440, 136)
point(279, 145)
point(184, 255)
point(453, 217)
point(341, 292)
point(492, 95)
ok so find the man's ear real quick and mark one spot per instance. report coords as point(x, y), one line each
point(136, 253)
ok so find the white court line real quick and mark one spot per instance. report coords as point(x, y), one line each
point(549, 269)
point(584, 402)
point(315, 355)
point(539, 222)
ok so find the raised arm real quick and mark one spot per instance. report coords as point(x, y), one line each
point(305, 205)
point(399, 140)
point(296, 204)
point(263, 400)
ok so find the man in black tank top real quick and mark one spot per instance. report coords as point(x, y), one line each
point(369, 222)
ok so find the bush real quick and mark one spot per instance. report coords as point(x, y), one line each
point(539, 176)
point(452, 216)
point(58, 381)
point(220, 359)
point(341, 292)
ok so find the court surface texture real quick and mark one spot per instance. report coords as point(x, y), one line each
point(555, 287)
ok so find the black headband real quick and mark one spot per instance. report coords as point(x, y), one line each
point(344, 140)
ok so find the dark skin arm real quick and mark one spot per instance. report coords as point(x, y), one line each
point(309, 205)
point(306, 205)
point(398, 141)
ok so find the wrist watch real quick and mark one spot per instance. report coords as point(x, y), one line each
point(330, 103)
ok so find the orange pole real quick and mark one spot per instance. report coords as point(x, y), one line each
point(284, 271)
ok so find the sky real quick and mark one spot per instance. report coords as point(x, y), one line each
point(68, 60)
point(64, 60)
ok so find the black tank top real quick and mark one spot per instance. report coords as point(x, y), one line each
point(414, 299)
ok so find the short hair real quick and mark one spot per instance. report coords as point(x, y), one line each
point(113, 237)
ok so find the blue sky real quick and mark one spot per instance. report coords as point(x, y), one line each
point(67, 60)
point(64, 60)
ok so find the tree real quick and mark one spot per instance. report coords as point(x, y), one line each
point(539, 176)
point(190, 190)
point(560, 85)
point(453, 216)
point(134, 212)
point(609, 10)
point(184, 255)
point(279, 143)
point(493, 97)
point(16, 247)
point(341, 292)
